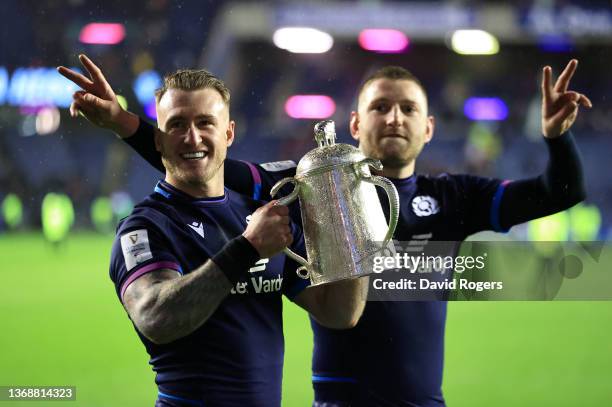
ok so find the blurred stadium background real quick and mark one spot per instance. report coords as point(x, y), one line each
point(64, 183)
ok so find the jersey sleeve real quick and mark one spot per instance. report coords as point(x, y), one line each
point(256, 180)
point(143, 142)
point(139, 248)
point(498, 205)
point(478, 201)
point(559, 187)
point(292, 283)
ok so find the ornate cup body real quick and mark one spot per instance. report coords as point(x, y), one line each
point(344, 224)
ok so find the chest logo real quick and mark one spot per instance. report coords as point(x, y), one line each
point(425, 205)
point(198, 227)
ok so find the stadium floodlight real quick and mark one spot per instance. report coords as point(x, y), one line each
point(383, 40)
point(310, 107)
point(102, 33)
point(303, 40)
point(145, 85)
point(36, 87)
point(478, 108)
point(474, 42)
point(47, 120)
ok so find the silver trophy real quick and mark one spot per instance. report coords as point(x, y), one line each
point(344, 224)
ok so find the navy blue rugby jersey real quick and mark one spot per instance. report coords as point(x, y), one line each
point(401, 343)
point(235, 358)
point(394, 356)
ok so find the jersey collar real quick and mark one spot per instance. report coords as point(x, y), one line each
point(403, 183)
point(172, 194)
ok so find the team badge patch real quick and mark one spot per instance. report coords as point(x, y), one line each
point(425, 205)
point(136, 248)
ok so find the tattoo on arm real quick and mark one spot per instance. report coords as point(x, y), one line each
point(165, 306)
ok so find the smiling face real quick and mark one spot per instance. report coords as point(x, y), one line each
point(391, 123)
point(197, 133)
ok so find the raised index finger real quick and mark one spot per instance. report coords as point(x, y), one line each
point(75, 77)
point(566, 75)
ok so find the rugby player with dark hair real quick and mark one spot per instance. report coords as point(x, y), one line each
point(394, 356)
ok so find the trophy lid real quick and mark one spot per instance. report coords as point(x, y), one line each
point(328, 154)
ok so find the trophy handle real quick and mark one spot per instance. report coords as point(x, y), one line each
point(289, 198)
point(389, 188)
point(304, 270)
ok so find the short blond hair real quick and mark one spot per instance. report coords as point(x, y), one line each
point(193, 79)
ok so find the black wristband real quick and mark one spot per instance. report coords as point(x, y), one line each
point(235, 258)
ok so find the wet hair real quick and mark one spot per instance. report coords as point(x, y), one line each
point(193, 79)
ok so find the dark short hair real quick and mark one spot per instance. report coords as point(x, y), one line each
point(193, 79)
point(396, 73)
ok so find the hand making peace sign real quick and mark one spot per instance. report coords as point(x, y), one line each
point(559, 105)
point(97, 100)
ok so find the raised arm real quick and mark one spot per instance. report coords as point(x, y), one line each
point(97, 101)
point(166, 306)
point(562, 183)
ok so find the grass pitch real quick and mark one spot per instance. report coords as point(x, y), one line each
point(63, 325)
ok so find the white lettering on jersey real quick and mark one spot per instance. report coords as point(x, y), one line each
point(135, 247)
point(259, 266)
point(260, 285)
point(240, 288)
point(268, 285)
point(278, 165)
point(425, 205)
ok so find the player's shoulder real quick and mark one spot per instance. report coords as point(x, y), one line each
point(150, 212)
point(242, 202)
point(450, 180)
point(437, 182)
